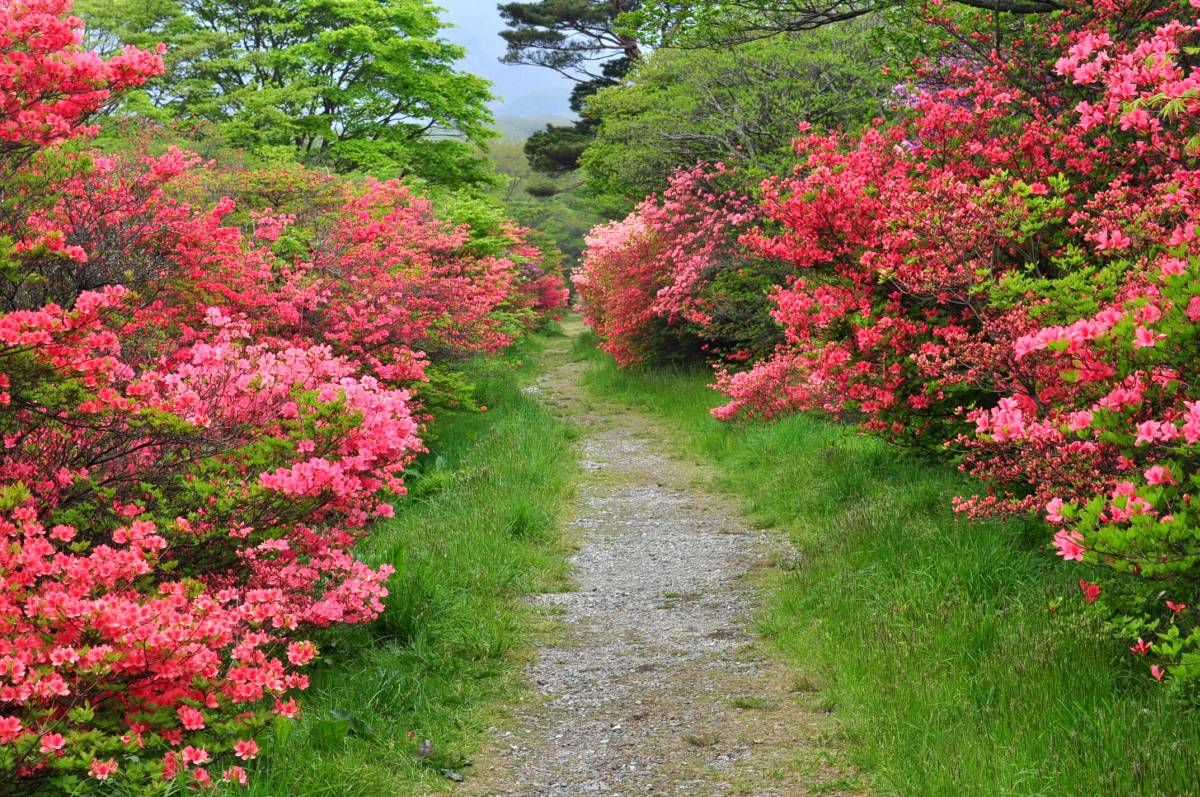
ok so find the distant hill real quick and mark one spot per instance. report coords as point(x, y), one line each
point(522, 126)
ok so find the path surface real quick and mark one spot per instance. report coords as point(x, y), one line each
point(653, 683)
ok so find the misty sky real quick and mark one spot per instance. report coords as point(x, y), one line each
point(524, 90)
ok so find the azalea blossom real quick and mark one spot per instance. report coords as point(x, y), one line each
point(194, 755)
point(52, 742)
point(1069, 545)
point(1144, 337)
point(1158, 474)
point(246, 749)
point(102, 770)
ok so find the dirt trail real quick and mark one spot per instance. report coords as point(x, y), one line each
point(653, 683)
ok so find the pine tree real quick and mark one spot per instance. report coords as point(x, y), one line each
point(581, 40)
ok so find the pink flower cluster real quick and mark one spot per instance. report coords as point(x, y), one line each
point(656, 270)
point(49, 84)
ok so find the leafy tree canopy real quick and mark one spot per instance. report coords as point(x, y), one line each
point(740, 105)
point(355, 85)
point(573, 37)
point(558, 149)
point(557, 207)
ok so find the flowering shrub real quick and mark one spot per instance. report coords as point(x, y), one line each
point(617, 281)
point(50, 85)
point(1005, 274)
point(1117, 388)
point(670, 275)
point(889, 257)
point(920, 246)
point(376, 275)
point(172, 533)
point(202, 411)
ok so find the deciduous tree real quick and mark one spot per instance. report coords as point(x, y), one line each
point(362, 85)
point(740, 105)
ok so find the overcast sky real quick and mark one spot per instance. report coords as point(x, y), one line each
point(523, 90)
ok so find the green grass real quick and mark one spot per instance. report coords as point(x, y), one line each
point(929, 635)
point(478, 531)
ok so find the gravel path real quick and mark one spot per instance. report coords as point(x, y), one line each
point(653, 683)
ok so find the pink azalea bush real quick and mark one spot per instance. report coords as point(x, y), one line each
point(173, 531)
point(50, 84)
point(670, 275)
point(202, 411)
point(1004, 274)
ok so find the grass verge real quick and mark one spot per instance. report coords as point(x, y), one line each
point(398, 707)
point(932, 637)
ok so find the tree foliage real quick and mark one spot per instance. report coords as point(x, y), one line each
point(719, 22)
point(740, 105)
point(572, 37)
point(554, 206)
point(358, 85)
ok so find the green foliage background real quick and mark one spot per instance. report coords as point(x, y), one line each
point(741, 105)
